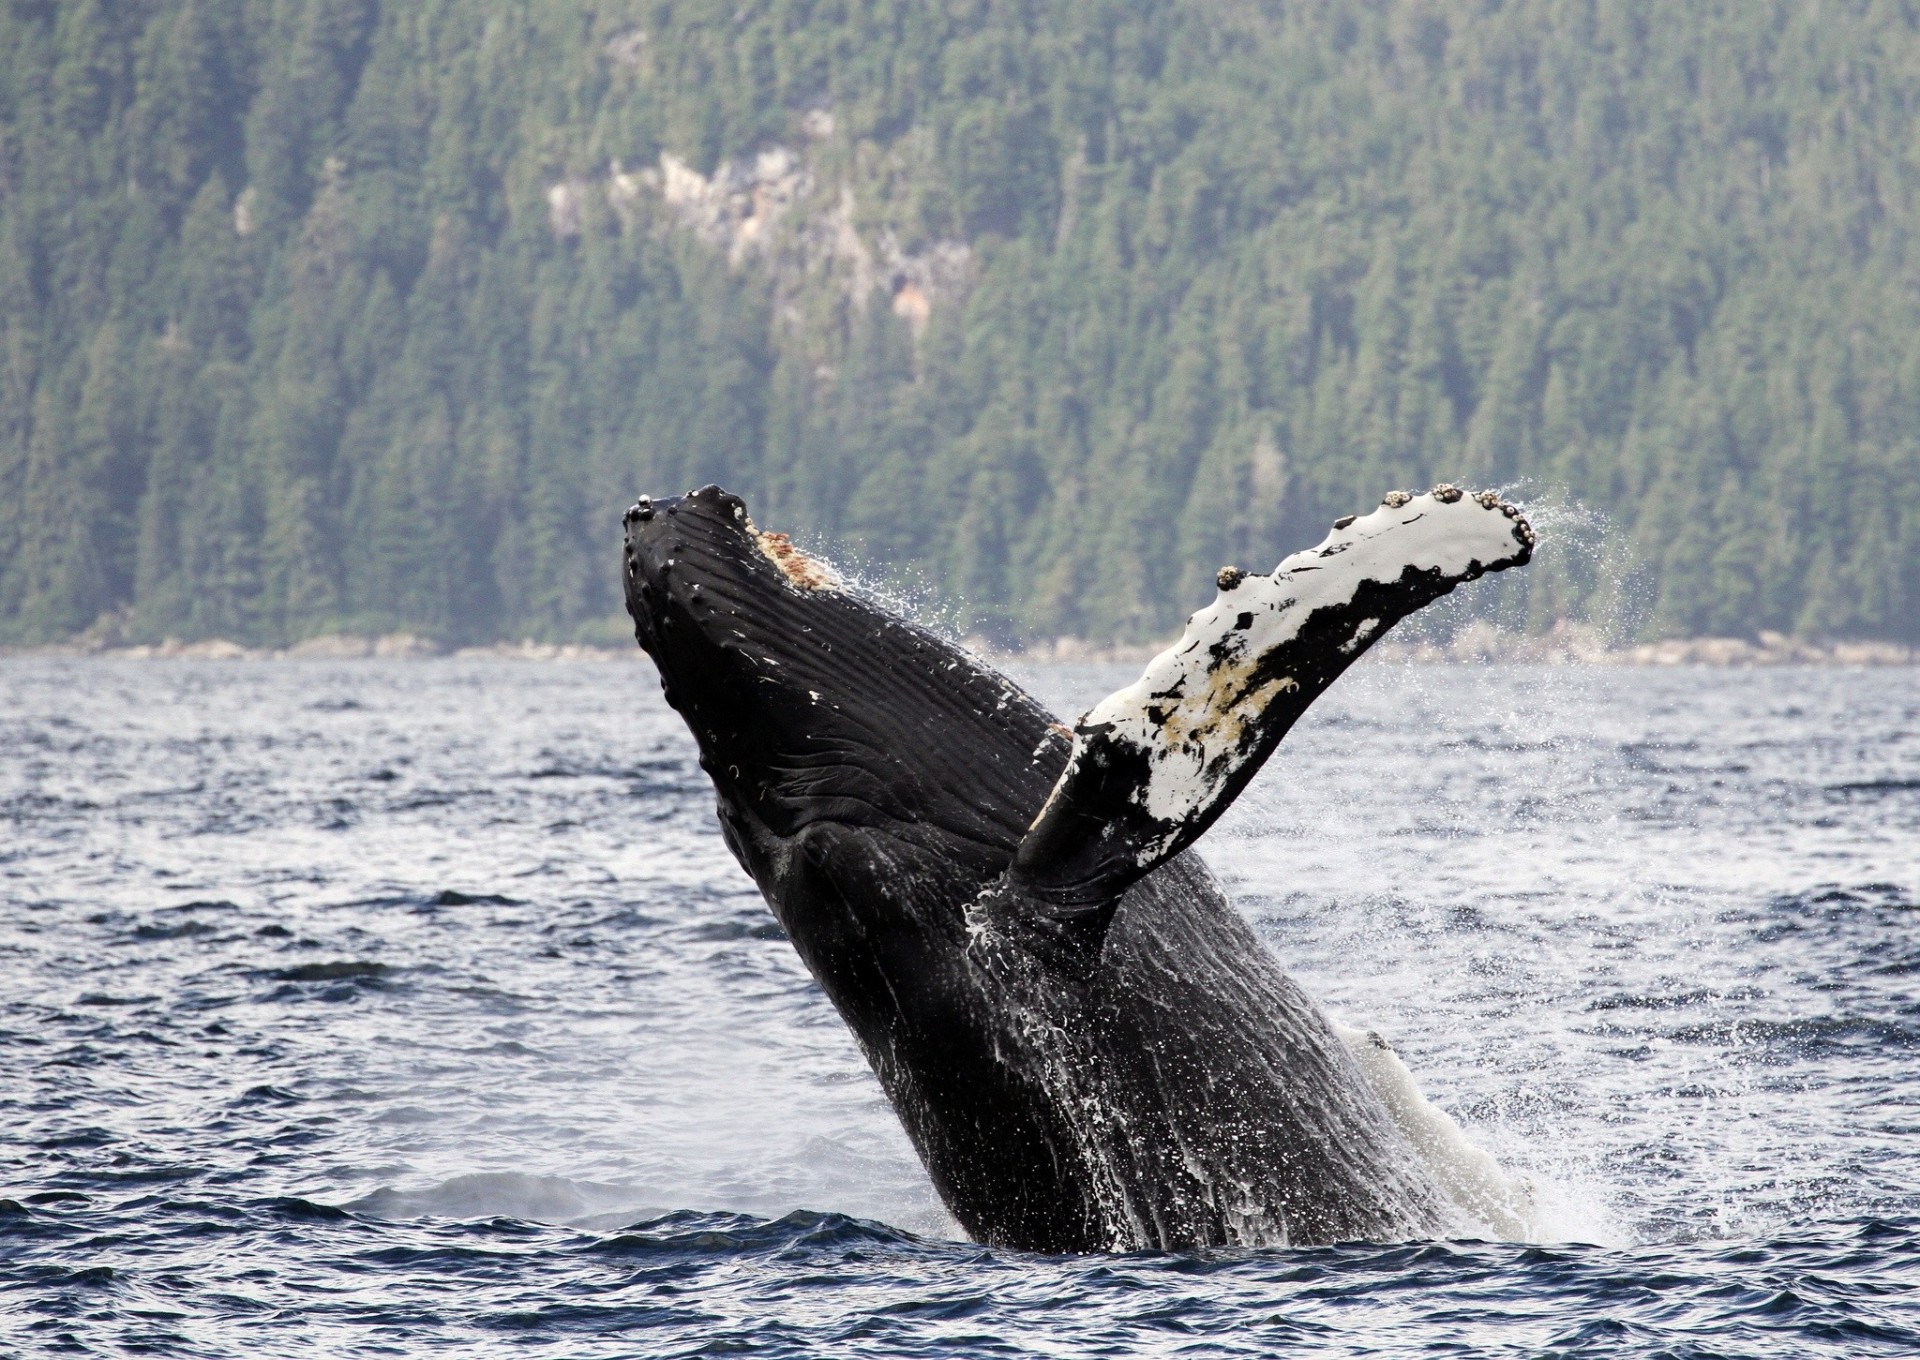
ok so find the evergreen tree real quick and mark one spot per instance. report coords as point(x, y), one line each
point(319, 314)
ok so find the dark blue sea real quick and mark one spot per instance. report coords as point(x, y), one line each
point(415, 1008)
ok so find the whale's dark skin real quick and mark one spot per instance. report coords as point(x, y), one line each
point(1080, 1068)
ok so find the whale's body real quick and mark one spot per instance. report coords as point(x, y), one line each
point(1088, 1047)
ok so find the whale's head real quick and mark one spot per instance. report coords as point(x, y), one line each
point(812, 705)
point(718, 603)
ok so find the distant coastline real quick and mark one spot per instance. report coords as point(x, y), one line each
point(1565, 644)
point(1478, 642)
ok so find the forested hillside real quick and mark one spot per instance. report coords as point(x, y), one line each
point(361, 314)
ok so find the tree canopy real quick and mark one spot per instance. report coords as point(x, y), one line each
point(356, 314)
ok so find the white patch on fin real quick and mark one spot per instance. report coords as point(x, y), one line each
point(1365, 631)
point(1154, 764)
point(1196, 700)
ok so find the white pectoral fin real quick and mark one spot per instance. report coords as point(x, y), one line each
point(1155, 763)
point(1502, 1203)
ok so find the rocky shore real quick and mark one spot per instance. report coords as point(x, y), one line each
point(1572, 643)
point(1565, 644)
point(332, 647)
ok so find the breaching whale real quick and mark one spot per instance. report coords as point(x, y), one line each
point(1087, 1045)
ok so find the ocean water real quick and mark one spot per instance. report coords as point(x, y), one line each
point(416, 1008)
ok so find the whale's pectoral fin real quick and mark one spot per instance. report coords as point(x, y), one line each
point(1154, 764)
point(1499, 1203)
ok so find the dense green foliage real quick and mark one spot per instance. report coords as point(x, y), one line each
point(323, 314)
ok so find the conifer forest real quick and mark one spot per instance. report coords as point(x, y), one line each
point(369, 315)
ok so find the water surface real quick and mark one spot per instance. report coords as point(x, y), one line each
point(405, 1008)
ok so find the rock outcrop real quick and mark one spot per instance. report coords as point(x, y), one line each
point(775, 211)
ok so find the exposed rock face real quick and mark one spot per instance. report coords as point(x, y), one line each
point(940, 270)
point(563, 209)
point(735, 208)
point(773, 208)
point(627, 47)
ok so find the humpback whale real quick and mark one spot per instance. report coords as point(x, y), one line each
point(1087, 1045)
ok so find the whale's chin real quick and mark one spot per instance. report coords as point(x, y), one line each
point(1088, 1047)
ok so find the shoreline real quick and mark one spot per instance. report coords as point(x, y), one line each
point(1477, 643)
